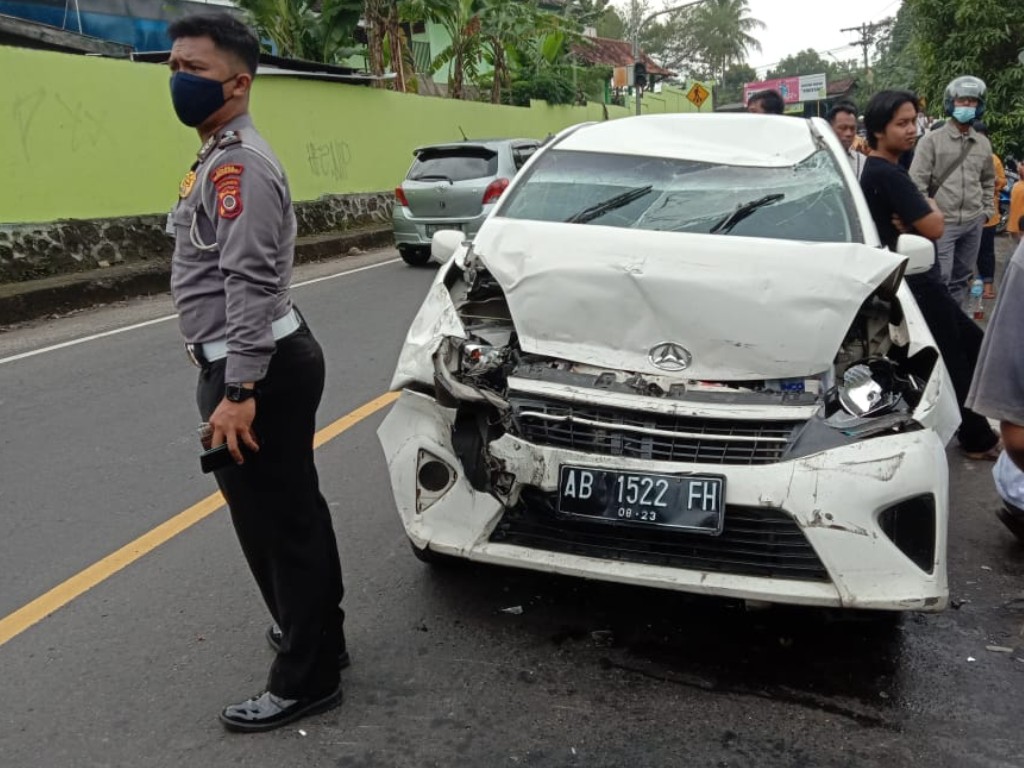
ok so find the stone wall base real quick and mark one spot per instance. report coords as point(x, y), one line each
point(33, 251)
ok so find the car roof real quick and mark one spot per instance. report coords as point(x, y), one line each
point(769, 141)
point(487, 143)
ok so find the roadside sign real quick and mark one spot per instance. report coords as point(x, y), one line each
point(697, 95)
point(792, 89)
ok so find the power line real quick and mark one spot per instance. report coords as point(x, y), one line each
point(868, 36)
point(820, 53)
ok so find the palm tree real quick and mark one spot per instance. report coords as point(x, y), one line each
point(724, 28)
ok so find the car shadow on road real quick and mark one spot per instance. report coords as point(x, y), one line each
point(837, 661)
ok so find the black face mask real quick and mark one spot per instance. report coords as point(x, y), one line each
point(195, 98)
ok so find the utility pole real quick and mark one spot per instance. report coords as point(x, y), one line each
point(868, 37)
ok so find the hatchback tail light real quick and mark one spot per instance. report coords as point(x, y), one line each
point(495, 190)
point(400, 197)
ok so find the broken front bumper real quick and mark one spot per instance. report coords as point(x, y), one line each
point(841, 528)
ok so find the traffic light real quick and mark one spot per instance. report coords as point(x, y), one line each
point(640, 74)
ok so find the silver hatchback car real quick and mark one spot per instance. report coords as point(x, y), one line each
point(453, 186)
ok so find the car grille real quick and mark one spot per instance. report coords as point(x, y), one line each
point(755, 541)
point(644, 435)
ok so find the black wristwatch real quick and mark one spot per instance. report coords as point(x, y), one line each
point(236, 393)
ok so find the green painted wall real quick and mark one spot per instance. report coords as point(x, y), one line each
point(84, 137)
point(671, 100)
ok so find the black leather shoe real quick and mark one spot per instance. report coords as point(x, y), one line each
point(267, 711)
point(275, 636)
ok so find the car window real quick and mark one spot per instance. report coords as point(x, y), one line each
point(808, 201)
point(454, 164)
point(522, 153)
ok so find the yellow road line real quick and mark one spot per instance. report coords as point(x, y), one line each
point(15, 623)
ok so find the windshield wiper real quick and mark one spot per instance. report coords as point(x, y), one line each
point(743, 211)
point(431, 177)
point(611, 204)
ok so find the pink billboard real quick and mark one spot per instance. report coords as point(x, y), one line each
point(789, 87)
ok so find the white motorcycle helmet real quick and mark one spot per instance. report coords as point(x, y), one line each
point(966, 87)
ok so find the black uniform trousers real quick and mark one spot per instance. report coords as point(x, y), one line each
point(282, 521)
point(959, 339)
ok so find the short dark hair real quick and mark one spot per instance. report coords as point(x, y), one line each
point(839, 108)
point(770, 100)
point(228, 34)
point(881, 110)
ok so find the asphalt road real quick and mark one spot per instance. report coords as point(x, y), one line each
point(97, 447)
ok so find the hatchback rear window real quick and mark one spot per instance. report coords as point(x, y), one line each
point(454, 164)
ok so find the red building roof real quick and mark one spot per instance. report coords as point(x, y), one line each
point(602, 51)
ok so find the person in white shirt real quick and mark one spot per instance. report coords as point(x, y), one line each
point(843, 119)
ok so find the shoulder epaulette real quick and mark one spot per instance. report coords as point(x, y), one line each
point(229, 139)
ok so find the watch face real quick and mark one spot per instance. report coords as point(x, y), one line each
point(238, 394)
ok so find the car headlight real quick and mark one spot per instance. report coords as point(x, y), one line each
point(867, 392)
point(480, 359)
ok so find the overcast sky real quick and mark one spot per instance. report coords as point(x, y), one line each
point(795, 25)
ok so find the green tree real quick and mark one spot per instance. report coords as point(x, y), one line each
point(314, 30)
point(386, 42)
point(505, 27)
point(611, 25)
point(587, 13)
point(461, 20)
point(897, 64)
point(671, 41)
point(976, 37)
point(724, 29)
point(730, 90)
point(810, 62)
point(543, 69)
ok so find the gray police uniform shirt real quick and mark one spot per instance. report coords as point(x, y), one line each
point(234, 250)
point(998, 387)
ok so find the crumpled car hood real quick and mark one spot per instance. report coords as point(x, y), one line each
point(744, 308)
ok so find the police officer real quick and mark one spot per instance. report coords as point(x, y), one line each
point(262, 371)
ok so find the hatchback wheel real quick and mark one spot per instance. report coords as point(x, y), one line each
point(415, 257)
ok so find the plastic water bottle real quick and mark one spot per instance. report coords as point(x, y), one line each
point(976, 304)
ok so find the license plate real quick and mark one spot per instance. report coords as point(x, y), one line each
point(432, 228)
point(689, 502)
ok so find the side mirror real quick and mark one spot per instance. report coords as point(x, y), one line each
point(444, 243)
point(919, 251)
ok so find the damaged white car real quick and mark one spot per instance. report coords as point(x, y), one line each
point(677, 356)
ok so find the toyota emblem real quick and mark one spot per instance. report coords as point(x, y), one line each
point(670, 357)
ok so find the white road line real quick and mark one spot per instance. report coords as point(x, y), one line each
point(165, 318)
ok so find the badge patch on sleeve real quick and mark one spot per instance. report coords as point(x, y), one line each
point(228, 181)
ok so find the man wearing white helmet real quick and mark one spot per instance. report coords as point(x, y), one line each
point(954, 166)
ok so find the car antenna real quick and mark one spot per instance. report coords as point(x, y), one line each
point(464, 136)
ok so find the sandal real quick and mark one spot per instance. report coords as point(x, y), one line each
point(990, 291)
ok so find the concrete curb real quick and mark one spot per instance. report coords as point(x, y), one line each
point(33, 299)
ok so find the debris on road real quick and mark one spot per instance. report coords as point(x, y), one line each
point(515, 610)
point(998, 649)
